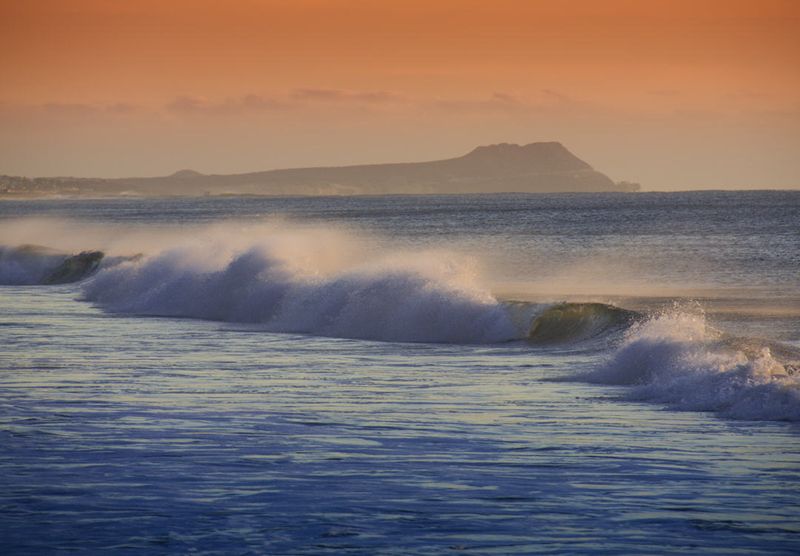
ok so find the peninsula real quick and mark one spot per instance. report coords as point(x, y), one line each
point(546, 167)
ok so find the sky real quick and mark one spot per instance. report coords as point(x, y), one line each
point(674, 94)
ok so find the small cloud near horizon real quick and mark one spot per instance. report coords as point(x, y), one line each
point(66, 111)
point(342, 95)
point(497, 102)
point(194, 105)
point(664, 93)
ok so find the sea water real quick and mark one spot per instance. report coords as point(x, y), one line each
point(505, 374)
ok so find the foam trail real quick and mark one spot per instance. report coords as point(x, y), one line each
point(279, 282)
point(678, 360)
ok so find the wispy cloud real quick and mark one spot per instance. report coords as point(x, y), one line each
point(664, 93)
point(195, 105)
point(543, 100)
point(497, 102)
point(342, 95)
point(188, 105)
point(71, 109)
point(558, 96)
point(65, 112)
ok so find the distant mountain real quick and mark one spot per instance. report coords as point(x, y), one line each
point(533, 168)
point(185, 174)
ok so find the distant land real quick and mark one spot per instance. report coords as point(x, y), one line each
point(546, 167)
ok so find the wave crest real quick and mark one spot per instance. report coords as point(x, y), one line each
point(579, 322)
point(678, 360)
point(425, 298)
point(34, 264)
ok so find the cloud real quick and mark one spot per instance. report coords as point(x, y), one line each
point(81, 110)
point(65, 112)
point(68, 109)
point(194, 105)
point(122, 108)
point(664, 93)
point(543, 100)
point(498, 102)
point(558, 96)
point(188, 105)
point(319, 100)
point(341, 95)
point(747, 96)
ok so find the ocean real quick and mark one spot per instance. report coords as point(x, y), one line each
point(415, 375)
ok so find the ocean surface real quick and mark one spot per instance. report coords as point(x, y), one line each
point(498, 374)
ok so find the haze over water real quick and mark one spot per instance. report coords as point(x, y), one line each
point(604, 373)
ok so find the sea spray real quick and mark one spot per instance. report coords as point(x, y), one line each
point(34, 265)
point(278, 283)
point(677, 359)
point(27, 264)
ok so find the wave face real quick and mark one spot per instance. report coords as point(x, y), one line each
point(579, 322)
point(75, 268)
point(419, 298)
point(34, 264)
point(676, 359)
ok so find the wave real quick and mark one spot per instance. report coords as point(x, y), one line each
point(426, 298)
point(288, 281)
point(423, 297)
point(579, 322)
point(35, 264)
point(304, 282)
point(678, 360)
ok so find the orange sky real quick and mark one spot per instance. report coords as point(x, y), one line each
point(675, 94)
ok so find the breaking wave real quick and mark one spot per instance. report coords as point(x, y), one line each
point(678, 360)
point(430, 298)
point(286, 277)
point(322, 282)
point(420, 297)
point(580, 322)
point(34, 265)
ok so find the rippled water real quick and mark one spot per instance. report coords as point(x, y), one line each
point(143, 435)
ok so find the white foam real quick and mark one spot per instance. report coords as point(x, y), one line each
point(309, 281)
point(678, 360)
